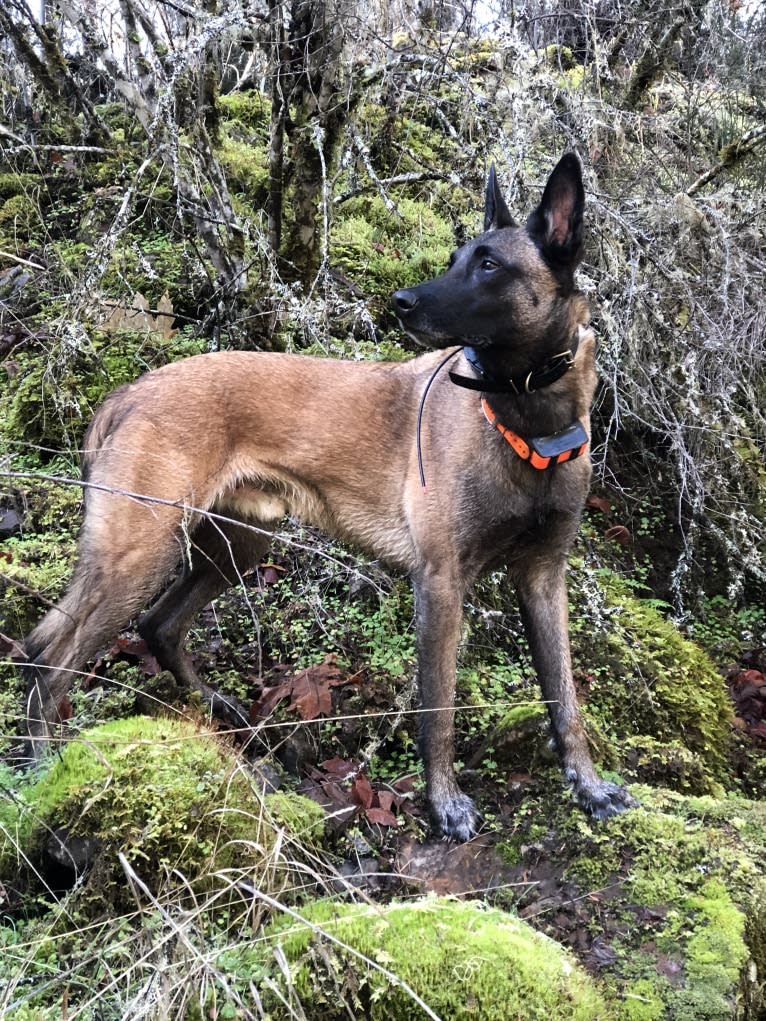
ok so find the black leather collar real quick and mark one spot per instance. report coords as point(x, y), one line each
point(544, 375)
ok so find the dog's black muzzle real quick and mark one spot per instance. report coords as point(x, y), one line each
point(416, 317)
point(404, 303)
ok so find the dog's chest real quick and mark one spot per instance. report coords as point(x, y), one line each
point(500, 518)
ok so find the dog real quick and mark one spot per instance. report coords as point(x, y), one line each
point(471, 455)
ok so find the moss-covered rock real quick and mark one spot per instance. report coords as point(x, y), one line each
point(670, 895)
point(656, 709)
point(642, 677)
point(164, 794)
point(463, 960)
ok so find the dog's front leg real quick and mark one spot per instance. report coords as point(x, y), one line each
point(543, 599)
point(439, 610)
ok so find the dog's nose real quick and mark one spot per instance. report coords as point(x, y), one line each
point(404, 301)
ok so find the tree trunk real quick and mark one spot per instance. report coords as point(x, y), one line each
point(320, 109)
point(279, 100)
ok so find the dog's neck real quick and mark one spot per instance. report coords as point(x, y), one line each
point(530, 402)
point(493, 378)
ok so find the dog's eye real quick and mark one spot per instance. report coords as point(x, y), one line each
point(489, 264)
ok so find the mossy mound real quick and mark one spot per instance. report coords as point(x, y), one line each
point(642, 677)
point(167, 796)
point(461, 959)
point(671, 896)
point(655, 706)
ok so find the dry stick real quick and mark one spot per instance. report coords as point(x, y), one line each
point(364, 155)
point(730, 155)
point(387, 182)
point(22, 262)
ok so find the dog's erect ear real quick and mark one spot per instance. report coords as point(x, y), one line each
point(556, 224)
point(496, 213)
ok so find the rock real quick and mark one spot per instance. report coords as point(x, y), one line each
point(465, 961)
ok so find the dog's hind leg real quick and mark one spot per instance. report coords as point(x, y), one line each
point(108, 588)
point(220, 556)
point(439, 612)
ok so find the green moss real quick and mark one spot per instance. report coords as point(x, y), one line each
point(35, 563)
point(521, 715)
point(246, 165)
point(16, 184)
point(21, 222)
point(664, 764)
point(382, 251)
point(690, 874)
point(641, 1001)
point(52, 397)
point(560, 56)
point(252, 109)
point(717, 951)
point(71, 255)
point(33, 573)
point(518, 741)
point(645, 678)
point(166, 795)
point(303, 818)
point(463, 960)
point(171, 262)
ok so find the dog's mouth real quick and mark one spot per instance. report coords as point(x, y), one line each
point(436, 341)
point(425, 338)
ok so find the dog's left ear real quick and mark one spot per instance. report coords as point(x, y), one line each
point(496, 213)
point(556, 225)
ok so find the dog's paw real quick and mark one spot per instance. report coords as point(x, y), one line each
point(456, 817)
point(602, 799)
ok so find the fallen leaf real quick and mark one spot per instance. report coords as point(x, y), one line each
point(139, 650)
point(64, 709)
point(405, 785)
point(746, 677)
point(339, 769)
point(270, 697)
point(309, 691)
point(598, 503)
point(381, 816)
point(386, 800)
point(619, 534)
point(310, 696)
point(361, 792)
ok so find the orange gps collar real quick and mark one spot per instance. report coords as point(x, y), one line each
point(542, 451)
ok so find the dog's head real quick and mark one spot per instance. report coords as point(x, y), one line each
point(508, 288)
